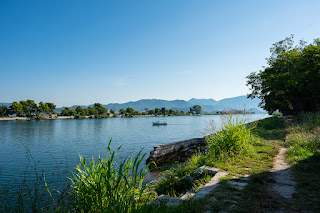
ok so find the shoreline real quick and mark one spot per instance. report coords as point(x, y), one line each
point(89, 117)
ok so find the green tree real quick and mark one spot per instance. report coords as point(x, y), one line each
point(4, 111)
point(40, 107)
point(32, 106)
point(51, 107)
point(172, 112)
point(25, 108)
point(290, 82)
point(44, 107)
point(91, 111)
point(129, 110)
point(151, 112)
point(72, 112)
point(196, 109)
point(65, 111)
point(157, 111)
point(79, 110)
point(100, 109)
point(16, 108)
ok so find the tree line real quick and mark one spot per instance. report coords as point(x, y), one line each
point(27, 108)
point(99, 110)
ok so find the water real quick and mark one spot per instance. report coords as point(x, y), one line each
point(53, 146)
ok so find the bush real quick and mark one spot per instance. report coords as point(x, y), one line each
point(105, 187)
point(234, 139)
point(311, 120)
point(272, 123)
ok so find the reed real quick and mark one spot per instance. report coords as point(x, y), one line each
point(235, 138)
point(105, 186)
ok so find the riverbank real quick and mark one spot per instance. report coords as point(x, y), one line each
point(280, 175)
point(82, 117)
point(53, 117)
point(251, 176)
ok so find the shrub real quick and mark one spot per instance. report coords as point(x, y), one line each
point(308, 120)
point(233, 139)
point(274, 122)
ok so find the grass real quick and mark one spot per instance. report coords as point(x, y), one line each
point(104, 186)
point(248, 154)
point(303, 142)
point(234, 139)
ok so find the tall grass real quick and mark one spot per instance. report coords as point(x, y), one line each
point(302, 145)
point(104, 186)
point(235, 138)
point(274, 122)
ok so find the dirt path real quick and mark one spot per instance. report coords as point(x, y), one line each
point(284, 184)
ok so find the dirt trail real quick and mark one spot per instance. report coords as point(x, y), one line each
point(284, 184)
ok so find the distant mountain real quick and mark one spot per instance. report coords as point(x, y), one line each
point(240, 102)
point(202, 102)
point(208, 105)
point(141, 105)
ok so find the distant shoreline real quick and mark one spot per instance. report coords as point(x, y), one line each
point(89, 117)
point(73, 117)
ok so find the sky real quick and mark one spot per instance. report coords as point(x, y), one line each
point(80, 52)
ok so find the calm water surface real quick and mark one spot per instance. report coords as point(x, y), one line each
point(53, 146)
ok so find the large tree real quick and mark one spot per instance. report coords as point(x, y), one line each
point(196, 108)
point(100, 109)
point(4, 111)
point(290, 82)
point(16, 108)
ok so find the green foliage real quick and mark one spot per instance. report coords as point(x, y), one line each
point(196, 108)
point(178, 179)
point(302, 145)
point(104, 186)
point(233, 139)
point(68, 112)
point(272, 123)
point(310, 120)
point(4, 111)
point(100, 109)
point(16, 108)
point(290, 83)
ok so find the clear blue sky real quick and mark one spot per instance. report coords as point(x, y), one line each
point(80, 52)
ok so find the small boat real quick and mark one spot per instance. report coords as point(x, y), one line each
point(158, 123)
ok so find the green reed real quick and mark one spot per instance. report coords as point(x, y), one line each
point(235, 138)
point(105, 186)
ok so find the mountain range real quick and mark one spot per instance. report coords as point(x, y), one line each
point(208, 105)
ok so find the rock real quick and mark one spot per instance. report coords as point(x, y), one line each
point(187, 196)
point(204, 170)
point(210, 186)
point(170, 201)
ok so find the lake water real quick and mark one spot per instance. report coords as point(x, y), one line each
point(53, 146)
